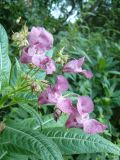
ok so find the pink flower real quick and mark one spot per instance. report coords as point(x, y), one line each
point(79, 118)
point(49, 96)
point(53, 95)
point(84, 105)
point(27, 54)
point(41, 38)
point(48, 65)
point(32, 55)
point(65, 105)
point(62, 84)
point(92, 126)
point(75, 66)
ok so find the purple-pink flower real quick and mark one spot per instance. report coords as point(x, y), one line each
point(53, 95)
point(41, 38)
point(75, 66)
point(40, 41)
point(80, 117)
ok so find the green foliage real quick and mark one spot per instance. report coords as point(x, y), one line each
point(74, 141)
point(31, 132)
point(32, 142)
point(5, 64)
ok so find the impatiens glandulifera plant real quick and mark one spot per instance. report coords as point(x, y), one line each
point(27, 131)
point(39, 41)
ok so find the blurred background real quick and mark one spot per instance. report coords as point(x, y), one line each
point(89, 28)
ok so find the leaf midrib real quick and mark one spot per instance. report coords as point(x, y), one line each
point(29, 136)
point(80, 139)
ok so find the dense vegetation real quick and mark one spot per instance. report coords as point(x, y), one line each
point(28, 130)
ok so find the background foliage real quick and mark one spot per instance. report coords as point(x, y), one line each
point(95, 34)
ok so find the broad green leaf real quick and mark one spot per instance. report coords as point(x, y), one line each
point(33, 112)
point(13, 156)
point(114, 72)
point(31, 141)
point(48, 121)
point(10, 150)
point(75, 141)
point(15, 76)
point(2, 154)
point(5, 63)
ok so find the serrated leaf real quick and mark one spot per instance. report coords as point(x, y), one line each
point(75, 141)
point(31, 141)
point(5, 63)
point(48, 121)
point(33, 112)
point(2, 154)
point(15, 76)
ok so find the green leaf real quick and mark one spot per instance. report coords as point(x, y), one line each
point(15, 76)
point(31, 141)
point(2, 154)
point(33, 112)
point(48, 121)
point(75, 141)
point(5, 63)
point(12, 151)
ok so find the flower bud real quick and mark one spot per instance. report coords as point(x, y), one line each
point(57, 114)
point(62, 59)
point(20, 38)
point(35, 87)
point(2, 127)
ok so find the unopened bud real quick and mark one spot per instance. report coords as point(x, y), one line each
point(62, 59)
point(20, 38)
point(57, 114)
point(2, 127)
point(18, 20)
point(35, 87)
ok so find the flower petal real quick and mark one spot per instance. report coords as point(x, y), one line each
point(48, 96)
point(27, 53)
point(84, 105)
point(40, 37)
point(81, 118)
point(74, 66)
point(92, 126)
point(50, 67)
point(62, 84)
point(43, 98)
point(71, 122)
point(88, 74)
point(65, 105)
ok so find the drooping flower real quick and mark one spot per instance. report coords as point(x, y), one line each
point(39, 41)
point(53, 95)
point(79, 118)
point(48, 65)
point(41, 38)
point(92, 126)
point(62, 84)
point(32, 55)
point(27, 54)
point(75, 66)
point(85, 105)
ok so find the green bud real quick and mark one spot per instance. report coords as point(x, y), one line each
point(20, 38)
point(62, 59)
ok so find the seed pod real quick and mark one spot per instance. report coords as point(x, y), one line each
point(35, 87)
point(57, 114)
point(2, 127)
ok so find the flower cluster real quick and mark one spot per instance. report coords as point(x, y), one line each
point(40, 41)
point(78, 116)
